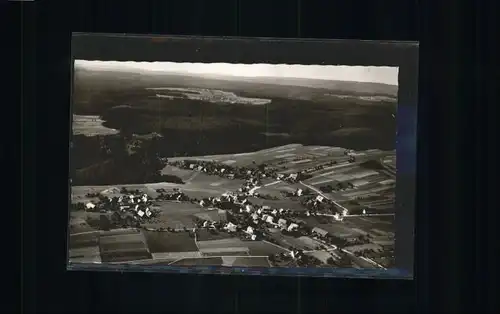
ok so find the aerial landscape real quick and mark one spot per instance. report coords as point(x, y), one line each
point(233, 165)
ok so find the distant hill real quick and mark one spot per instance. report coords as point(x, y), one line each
point(338, 86)
point(113, 78)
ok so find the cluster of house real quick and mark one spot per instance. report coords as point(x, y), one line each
point(256, 174)
point(175, 195)
point(316, 204)
point(320, 167)
point(213, 168)
point(137, 205)
point(252, 221)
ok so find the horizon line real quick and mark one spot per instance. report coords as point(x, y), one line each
point(363, 74)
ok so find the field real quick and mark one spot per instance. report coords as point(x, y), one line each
point(227, 261)
point(254, 248)
point(373, 225)
point(250, 261)
point(90, 125)
point(85, 255)
point(261, 248)
point(207, 261)
point(338, 229)
point(78, 224)
point(123, 247)
point(159, 242)
point(222, 243)
point(205, 235)
point(84, 240)
point(84, 248)
point(179, 215)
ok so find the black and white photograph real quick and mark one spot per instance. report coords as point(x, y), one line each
point(233, 165)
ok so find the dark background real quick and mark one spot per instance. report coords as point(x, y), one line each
point(451, 203)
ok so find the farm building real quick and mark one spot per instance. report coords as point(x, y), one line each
point(282, 223)
point(319, 231)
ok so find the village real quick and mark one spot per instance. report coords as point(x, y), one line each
point(300, 236)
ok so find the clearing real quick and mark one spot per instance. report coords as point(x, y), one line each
point(90, 126)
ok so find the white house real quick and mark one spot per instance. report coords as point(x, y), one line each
point(338, 217)
point(249, 230)
point(248, 208)
point(292, 226)
point(191, 166)
point(202, 203)
point(282, 223)
point(345, 212)
point(140, 213)
point(319, 198)
point(274, 212)
point(90, 205)
point(230, 227)
point(253, 237)
point(293, 176)
point(270, 219)
point(299, 192)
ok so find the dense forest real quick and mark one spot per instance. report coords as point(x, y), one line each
point(101, 160)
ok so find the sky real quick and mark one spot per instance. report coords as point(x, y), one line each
point(385, 75)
